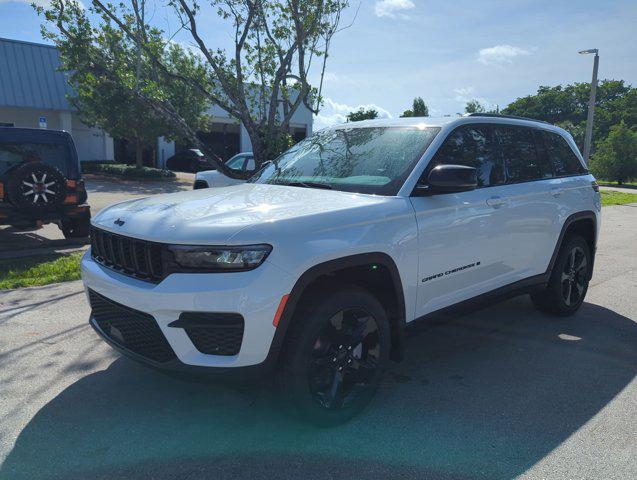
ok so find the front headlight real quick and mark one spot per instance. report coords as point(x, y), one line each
point(219, 259)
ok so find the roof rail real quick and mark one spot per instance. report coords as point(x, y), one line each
point(498, 115)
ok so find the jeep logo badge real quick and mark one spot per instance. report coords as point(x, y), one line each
point(119, 222)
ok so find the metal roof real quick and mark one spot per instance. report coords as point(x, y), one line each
point(29, 76)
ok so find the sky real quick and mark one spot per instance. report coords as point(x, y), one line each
point(447, 52)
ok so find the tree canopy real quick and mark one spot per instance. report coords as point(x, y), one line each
point(474, 106)
point(262, 80)
point(567, 106)
point(419, 109)
point(116, 85)
point(616, 156)
point(362, 114)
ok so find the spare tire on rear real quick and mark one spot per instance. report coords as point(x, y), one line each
point(36, 186)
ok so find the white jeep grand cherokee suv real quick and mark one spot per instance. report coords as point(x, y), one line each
point(315, 266)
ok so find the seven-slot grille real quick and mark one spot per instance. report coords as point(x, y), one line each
point(134, 330)
point(136, 258)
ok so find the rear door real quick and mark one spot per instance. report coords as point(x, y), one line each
point(532, 217)
point(462, 236)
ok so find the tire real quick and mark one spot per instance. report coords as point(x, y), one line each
point(75, 228)
point(568, 284)
point(36, 186)
point(334, 355)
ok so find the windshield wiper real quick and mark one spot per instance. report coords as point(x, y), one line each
point(324, 186)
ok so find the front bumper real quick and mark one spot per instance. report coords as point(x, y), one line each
point(255, 295)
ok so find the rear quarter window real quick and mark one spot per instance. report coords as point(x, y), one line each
point(521, 157)
point(561, 156)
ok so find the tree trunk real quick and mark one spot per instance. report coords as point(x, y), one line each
point(139, 153)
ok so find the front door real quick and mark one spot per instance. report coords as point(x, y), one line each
point(461, 236)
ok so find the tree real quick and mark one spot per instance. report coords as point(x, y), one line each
point(262, 80)
point(568, 106)
point(616, 155)
point(114, 80)
point(419, 109)
point(362, 114)
point(474, 106)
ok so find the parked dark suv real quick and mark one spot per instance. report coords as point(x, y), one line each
point(40, 181)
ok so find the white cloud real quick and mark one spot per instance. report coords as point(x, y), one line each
point(338, 79)
point(333, 113)
point(393, 8)
point(466, 94)
point(501, 54)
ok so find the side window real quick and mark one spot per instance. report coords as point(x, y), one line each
point(520, 155)
point(250, 166)
point(472, 145)
point(560, 154)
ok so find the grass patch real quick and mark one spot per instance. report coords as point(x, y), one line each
point(609, 183)
point(128, 171)
point(617, 198)
point(41, 270)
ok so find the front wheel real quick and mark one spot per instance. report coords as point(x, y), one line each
point(569, 280)
point(335, 353)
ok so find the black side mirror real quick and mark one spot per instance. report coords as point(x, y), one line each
point(449, 179)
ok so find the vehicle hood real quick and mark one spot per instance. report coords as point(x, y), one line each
point(214, 215)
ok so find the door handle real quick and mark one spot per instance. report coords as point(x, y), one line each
point(556, 192)
point(496, 202)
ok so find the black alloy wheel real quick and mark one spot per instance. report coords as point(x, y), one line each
point(335, 352)
point(345, 358)
point(568, 284)
point(574, 276)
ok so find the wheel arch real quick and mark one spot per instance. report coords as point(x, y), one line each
point(342, 269)
point(581, 223)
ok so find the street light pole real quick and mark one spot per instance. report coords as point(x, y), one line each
point(591, 104)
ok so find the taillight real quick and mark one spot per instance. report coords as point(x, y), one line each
point(595, 186)
point(1, 190)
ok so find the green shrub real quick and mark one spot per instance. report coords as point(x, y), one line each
point(127, 171)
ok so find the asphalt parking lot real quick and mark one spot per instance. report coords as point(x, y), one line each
point(502, 392)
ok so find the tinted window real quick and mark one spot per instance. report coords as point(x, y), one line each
point(54, 154)
point(472, 146)
point(520, 155)
point(560, 154)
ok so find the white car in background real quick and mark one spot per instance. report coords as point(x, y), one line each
point(213, 178)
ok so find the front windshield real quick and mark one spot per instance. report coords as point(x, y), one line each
point(365, 159)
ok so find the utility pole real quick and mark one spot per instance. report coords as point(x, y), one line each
point(591, 104)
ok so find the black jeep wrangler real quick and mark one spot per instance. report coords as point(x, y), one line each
point(40, 181)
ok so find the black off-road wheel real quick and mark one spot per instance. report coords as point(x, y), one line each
point(36, 186)
point(335, 353)
point(569, 279)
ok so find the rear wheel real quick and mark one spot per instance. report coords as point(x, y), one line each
point(335, 353)
point(569, 279)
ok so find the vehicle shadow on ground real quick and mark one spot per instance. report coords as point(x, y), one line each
point(483, 395)
point(13, 239)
